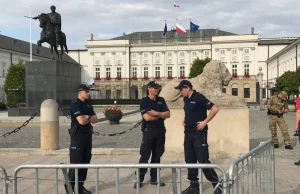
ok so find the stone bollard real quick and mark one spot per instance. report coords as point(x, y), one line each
point(49, 125)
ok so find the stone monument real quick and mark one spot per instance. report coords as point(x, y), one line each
point(228, 134)
point(51, 79)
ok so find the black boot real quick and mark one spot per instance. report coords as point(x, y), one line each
point(83, 190)
point(191, 190)
point(288, 147)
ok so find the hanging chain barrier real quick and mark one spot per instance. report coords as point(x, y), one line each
point(68, 116)
point(23, 125)
point(111, 134)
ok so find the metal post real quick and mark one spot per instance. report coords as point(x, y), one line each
point(56, 181)
point(37, 180)
point(174, 182)
point(158, 180)
point(138, 181)
point(97, 181)
point(179, 181)
point(201, 181)
point(117, 181)
point(273, 170)
point(76, 181)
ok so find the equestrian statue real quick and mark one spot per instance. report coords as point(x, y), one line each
point(51, 32)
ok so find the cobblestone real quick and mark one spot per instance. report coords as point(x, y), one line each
point(29, 137)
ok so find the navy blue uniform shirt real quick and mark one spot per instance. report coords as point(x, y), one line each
point(159, 105)
point(81, 108)
point(195, 109)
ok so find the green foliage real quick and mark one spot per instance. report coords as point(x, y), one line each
point(289, 82)
point(2, 106)
point(197, 67)
point(14, 85)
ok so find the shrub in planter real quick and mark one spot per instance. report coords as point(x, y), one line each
point(114, 115)
point(2, 106)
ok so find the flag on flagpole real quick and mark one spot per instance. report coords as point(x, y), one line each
point(180, 29)
point(175, 5)
point(193, 27)
point(165, 29)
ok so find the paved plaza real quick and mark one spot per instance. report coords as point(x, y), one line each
point(287, 174)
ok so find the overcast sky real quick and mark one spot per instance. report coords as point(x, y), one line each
point(110, 18)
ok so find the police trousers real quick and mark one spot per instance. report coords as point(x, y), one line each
point(196, 149)
point(153, 143)
point(80, 153)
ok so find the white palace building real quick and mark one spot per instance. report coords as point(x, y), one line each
point(122, 66)
point(127, 63)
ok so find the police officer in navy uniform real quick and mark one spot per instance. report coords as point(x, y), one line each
point(195, 139)
point(82, 115)
point(154, 111)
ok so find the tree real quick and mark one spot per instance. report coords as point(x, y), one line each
point(14, 85)
point(289, 82)
point(197, 67)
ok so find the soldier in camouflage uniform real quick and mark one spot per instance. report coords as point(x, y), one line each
point(277, 106)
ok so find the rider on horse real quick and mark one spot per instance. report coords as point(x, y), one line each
point(56, 22)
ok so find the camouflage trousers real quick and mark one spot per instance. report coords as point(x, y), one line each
point(273, 119)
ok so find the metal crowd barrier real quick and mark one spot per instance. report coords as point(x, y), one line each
point(176, 175)
point(4, 179)
point(254, 172)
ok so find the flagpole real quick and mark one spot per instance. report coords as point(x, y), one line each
point(166, 69)
point(190, 45)
point(177, 53)
point(30, 36)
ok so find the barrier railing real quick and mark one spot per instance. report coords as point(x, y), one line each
point(4, 179)
point(254, 172)
point(176, 176)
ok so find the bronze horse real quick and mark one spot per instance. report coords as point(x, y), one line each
point(48, 36)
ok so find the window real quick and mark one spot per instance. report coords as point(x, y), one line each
point(3, 69)
point(224, 90)
point(118, 94)
point(146, 72)
point(246, 68)
point(169, 54)
point(206, 53)
point(182, 71)
point(118, 55)
point(235, 92)
point(134, 71)
point(169, 71)
point(246, 51)
point(133, 54)
point(119, 72)
point(246, 92)
point(157, 71)
point(108, 72)
point(234, 51)
point(194, 53)
point(234, 69)
point(156, 54)
point(181, 54)
point(108, 94)
point(145, 54)
point(222, 52)
point(97, 72)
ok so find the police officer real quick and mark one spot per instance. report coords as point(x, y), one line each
point(82, 115)
point(195, 139)
point(154, 111)
point(277, 106)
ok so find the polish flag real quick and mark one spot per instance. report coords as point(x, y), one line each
point(175, 5)
point(180, 29)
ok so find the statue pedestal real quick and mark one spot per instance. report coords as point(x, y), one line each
point(228, 133)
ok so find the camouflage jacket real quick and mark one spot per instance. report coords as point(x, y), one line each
point(275, 104)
